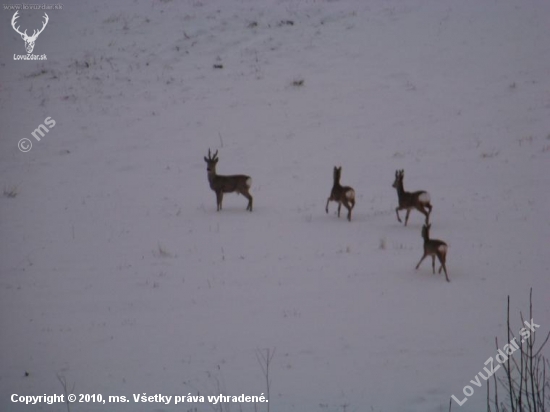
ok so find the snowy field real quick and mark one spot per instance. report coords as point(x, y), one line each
point(118, 276)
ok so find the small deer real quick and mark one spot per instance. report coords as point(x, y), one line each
point(227, 184)
point(341, 194)
point(29, 40)
point(418, 200)
point(433, 248)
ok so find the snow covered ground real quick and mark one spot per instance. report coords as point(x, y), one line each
point(118, 275)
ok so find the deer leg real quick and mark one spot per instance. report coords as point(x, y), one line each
point(352, 203)
point(397, 213)
point(347, 205)
point(433, 264)
point(443, 266)
point(246, 194)
point(421, 209)
point(445, 270)
point(219, 199)
point(326, 208)
point(407, 216)
point(421, 259)
point(429, 206)
point(249, 206)
point(339, 207)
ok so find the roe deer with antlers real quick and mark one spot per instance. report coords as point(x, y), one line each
point(227, 184)
point(433, 248)
point(418, 200)
point(341, 194)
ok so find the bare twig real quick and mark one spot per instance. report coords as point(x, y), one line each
point(525, 380)
point(265, 361)
point(63, 382)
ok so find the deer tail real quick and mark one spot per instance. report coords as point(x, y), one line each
point(424, 197)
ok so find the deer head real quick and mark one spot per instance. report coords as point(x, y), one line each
point(29, 40)
point(399, 174)
point(337, 173)
point(211, 162)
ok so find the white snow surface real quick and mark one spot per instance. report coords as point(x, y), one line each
point(118, 275)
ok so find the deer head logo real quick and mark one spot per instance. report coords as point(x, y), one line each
point(29, 40)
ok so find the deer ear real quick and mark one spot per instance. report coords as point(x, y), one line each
point(205, 159)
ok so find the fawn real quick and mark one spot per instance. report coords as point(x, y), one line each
point(433, 248)
point(418, 200)
point(227, 184)
point(341, 194)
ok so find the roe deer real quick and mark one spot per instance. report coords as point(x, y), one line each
point(227, 184)
point(341, 194)
point(433, 248)
point(418, 200)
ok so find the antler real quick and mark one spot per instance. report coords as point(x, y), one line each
point(15, 17)
point(210, 157)
point(35, 33)
point(24, 34)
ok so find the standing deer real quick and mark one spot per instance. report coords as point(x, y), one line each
point(418, 200)
point(433, 248)
point(29, 40)
point(341, 194)
point(227, 184)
